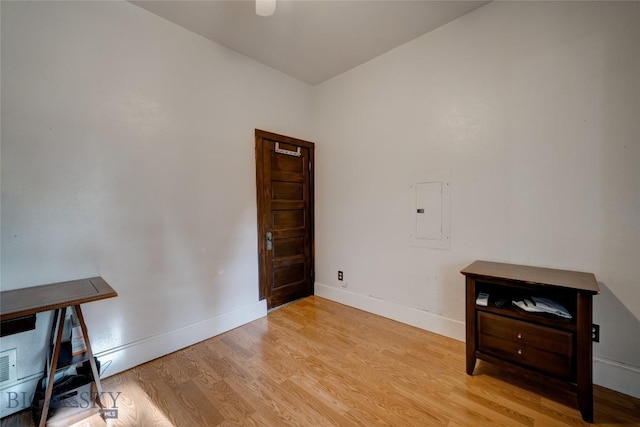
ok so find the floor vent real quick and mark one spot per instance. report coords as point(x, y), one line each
point(8, 371)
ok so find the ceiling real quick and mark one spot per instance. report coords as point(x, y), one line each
point(311, 40)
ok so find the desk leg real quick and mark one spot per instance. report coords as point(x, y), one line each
point(92, 361)
point(59, 319)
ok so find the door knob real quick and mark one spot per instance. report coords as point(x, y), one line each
point(269, 241)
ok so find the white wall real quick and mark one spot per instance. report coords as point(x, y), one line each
point(533, 109)
point(128, 152)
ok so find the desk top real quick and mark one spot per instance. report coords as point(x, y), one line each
point(582, 282)
point(28, 301)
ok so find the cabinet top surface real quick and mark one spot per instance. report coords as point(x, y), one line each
point(585, 282)
point(27, 301)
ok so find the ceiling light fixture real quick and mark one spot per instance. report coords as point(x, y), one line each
point(265, 7)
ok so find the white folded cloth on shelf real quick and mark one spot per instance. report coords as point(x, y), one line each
point(542, 305)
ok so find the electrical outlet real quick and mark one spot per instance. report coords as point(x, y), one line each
point(595, 333)
point(343, 284)
point(340, 275)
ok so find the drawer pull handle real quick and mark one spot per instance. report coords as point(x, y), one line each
point(519, 336)
point(519, 351)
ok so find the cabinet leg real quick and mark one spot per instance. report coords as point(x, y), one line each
point(585, 403)
point(471, 364)
point(470, 320)
point(584, 357)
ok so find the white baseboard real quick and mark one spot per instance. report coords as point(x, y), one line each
point(409, 315)
point(125, 357)
point(17, 395)
point(606, 373)
point(616, 376)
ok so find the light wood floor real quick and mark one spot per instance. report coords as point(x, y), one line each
point(318, 363)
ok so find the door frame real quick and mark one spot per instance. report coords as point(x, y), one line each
point(263, 196)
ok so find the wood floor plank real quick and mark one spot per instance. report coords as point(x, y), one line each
point(229, 403)
point(273, 410)
point(135, 406)
point(318, 363)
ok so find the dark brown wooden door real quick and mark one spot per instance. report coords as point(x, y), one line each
point(284, 177)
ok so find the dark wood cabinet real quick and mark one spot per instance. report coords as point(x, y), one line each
point(504, 334)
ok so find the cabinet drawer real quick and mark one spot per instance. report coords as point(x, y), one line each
point(550, 363)
point(526, 334)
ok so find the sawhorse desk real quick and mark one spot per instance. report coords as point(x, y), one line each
point(18, 309)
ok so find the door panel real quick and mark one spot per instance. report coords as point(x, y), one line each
point(287, 190)
point(283, 164)
point(288, 219)
point(284, 177)
point(288, 247)
point(289, 275)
